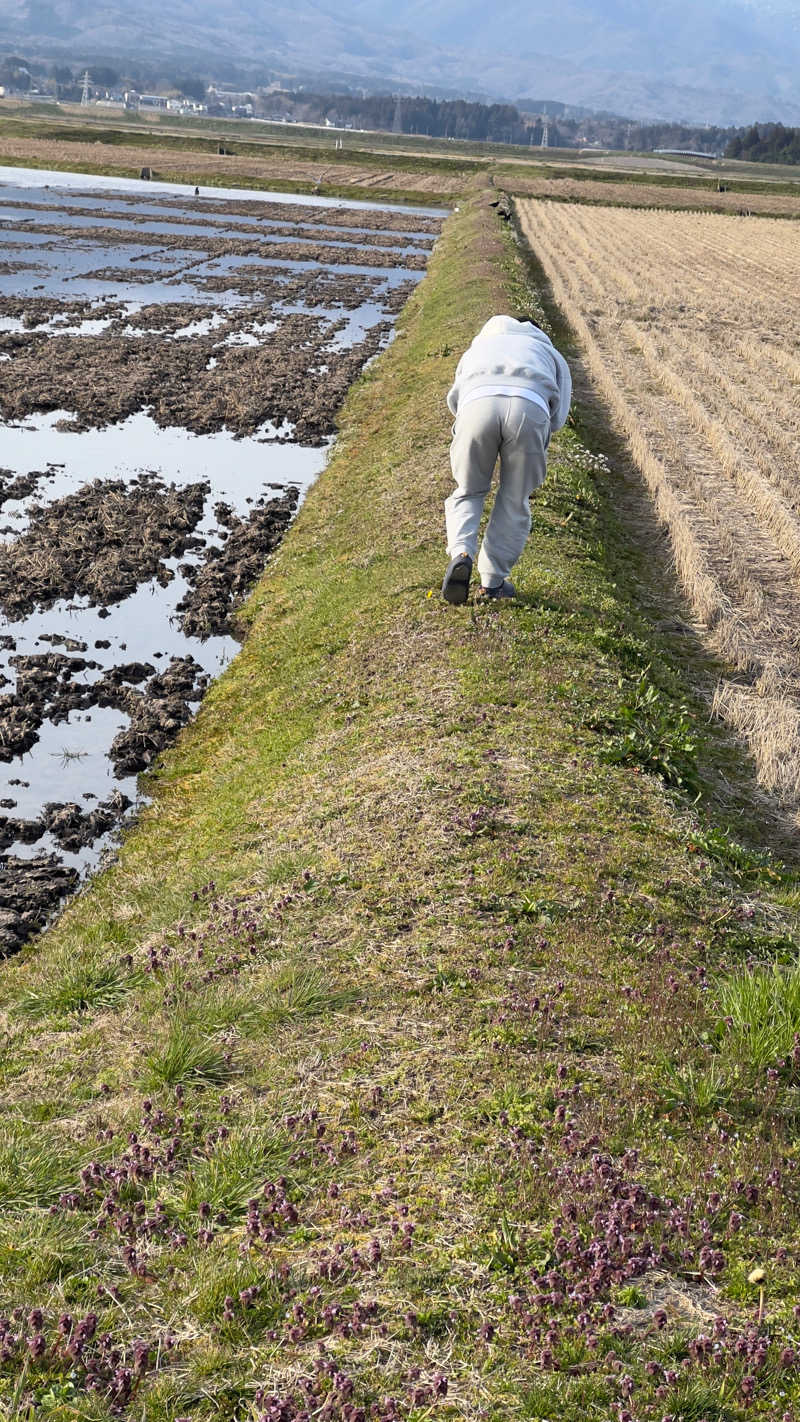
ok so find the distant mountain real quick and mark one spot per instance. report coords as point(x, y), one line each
point(716, 61)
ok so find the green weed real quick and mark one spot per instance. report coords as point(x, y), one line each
point(739, 861)
point(650, 730)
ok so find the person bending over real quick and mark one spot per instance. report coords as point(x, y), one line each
point(512, 388)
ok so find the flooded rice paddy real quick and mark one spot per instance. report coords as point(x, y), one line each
point(171, 364)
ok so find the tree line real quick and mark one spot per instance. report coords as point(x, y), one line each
point(766, 143)
point(435, 118)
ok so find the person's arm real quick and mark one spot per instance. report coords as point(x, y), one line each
point(452, 394)
point(564, 380)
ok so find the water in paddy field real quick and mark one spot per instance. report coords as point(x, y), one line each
point(171, 364)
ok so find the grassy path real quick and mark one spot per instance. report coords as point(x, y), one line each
point(419, 1057)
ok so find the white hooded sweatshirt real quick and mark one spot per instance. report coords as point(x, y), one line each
point(514, 354)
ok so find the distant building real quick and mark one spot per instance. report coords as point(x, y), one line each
point(233, 98)
point(153, 101)
point(185, 106)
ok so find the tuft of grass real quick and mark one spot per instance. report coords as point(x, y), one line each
point(295, 991)
point(51, 1248)
point(187, 1055)
point(695, 1091)
point(35, 1166)
point(759, 1014)
point(233, 1173)
point(694, 1400)
point(79, 985)
point(567, 1399)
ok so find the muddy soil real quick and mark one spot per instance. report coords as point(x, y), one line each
point(9, 268)
point(333, 289)
point(295, 375)
point(171, 316)
point(376, 219)
point(281, 225)
point(30, 889)
point(157, 713)
point(92, 562)
point(71, 827)
point(35, 310)
point(20, 486)
point(99, 543)
point(48, 688)
point(285, 249)
point(270, 285)
point(221, 581)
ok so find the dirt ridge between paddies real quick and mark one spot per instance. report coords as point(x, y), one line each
point(430, 1051)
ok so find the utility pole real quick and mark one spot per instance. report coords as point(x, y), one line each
point(85, 90)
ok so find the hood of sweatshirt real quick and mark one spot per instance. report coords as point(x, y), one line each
point(510, 326)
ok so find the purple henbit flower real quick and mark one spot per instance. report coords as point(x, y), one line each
point(37, 1346)
point(141, 1357)
point(87, 1327)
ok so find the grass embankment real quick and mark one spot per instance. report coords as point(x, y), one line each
point(417, 1057)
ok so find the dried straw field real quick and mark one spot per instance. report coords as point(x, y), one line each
point(690, 330)
point(643, 194)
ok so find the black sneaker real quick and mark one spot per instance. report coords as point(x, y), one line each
point(455, 587)
point(506, 589)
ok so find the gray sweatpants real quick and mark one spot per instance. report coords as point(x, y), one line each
point(519, 431)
